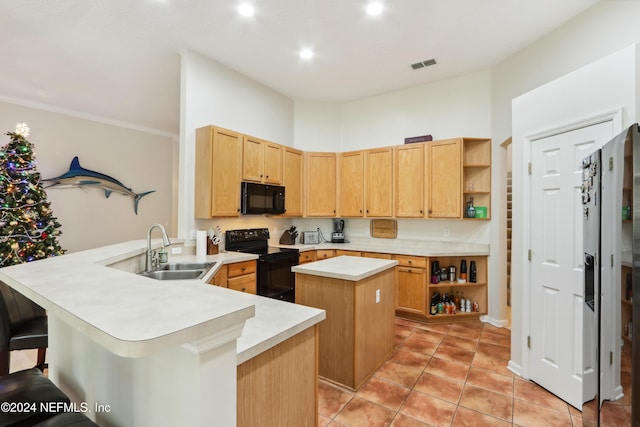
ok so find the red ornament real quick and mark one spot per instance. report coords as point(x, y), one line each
point(44, 234)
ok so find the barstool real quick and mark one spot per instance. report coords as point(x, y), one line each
point(31, 388)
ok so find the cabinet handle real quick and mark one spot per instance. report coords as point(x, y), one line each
point(367, 210)
point(243, 268)
point(421, 211)
point(410, 262)
point(244, 289)
point(267, 176)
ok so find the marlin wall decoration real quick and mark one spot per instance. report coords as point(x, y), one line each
point(77, 176)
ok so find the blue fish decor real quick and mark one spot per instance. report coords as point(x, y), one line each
point(77, 176)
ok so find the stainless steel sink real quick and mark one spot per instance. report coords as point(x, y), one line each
point(187, 266)
point(179, 271)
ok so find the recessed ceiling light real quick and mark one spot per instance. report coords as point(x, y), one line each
point(245, 9)
point(306, 54)
point(374, 8)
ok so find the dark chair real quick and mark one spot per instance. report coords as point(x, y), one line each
point(29, 398)
point(23, 326)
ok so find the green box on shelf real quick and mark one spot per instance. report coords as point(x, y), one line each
point(481, 212)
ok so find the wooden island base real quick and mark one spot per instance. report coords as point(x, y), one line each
point(358, 333)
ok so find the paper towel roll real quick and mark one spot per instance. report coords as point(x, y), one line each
point(201, 242)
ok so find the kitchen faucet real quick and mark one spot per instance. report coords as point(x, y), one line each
point(151, 260)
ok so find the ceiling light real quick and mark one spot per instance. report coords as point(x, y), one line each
point(306, 54)
point(246, 9)
point(374, 8)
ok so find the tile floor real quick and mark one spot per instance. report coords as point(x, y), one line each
point(447, 375)
point(453, 375)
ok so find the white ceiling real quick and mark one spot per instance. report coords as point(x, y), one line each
point(119, 60)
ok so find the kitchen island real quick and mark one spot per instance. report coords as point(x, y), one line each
point(358, 297)
point(138, 351)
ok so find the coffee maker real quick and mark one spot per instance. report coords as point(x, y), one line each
point(338, 231)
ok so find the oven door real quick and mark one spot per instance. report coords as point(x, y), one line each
point(275, 278)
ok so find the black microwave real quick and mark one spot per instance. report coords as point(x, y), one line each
point(259, 199)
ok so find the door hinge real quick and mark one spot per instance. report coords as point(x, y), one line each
point(528, 341)
point(611, 260)
point(529, 255)
point(529, 167)
point(610, 163)
point(611, 358)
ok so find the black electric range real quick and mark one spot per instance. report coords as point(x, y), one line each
point(274, 276)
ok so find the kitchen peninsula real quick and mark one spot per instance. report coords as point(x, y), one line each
point(173, 352)
point(358, 296)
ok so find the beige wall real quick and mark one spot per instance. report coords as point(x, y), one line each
point(140, 160)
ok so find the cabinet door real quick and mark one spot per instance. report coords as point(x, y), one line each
point(320, 184)
point(246, 283)
point(218, 172)
point(324, 254)
point(351, 190)
point(272, 162)
point(220, 278)
point(409, 181)
point(379, 183)
point(292, 181)
point(411, 290)
point(252, 159)
point(445, 178)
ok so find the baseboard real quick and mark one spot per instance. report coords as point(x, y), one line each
point(495, 322)
point(515, 368)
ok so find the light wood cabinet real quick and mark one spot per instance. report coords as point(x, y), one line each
point(324, 254)
point(320, 184)
point(292, 180)
point(220, 278)
point(411, 284)
point(477, 174)
point(444, 178)
point(379, 182)
point(409, 181)
point(218, 173)
point(351, 194)
point(307, 256)
point(261, 161)
point(377, 255)
point(342, 252)
point(241, 276)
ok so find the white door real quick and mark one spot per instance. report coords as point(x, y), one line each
point(557, 260)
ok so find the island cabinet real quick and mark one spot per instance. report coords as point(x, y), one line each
point(411, 284)
point(320, 184)
point(261, 161)
point(409, 181)
point(357, 294)
point(218, 172)
point(280, 386)
point(351, 199)
point(292, 180)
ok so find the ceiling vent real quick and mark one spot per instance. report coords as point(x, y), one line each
point(423, 64)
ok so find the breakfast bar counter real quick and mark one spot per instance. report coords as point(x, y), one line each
point(358, 296)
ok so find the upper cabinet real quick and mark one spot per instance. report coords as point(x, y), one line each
point(409, 181)
point(351, 194)
point(476, 186)
point(379, 182)
point(218, 172)
point(444, 178)
point(292, 180)
point(320, 184)
point(261, 161)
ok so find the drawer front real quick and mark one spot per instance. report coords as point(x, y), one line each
point(377, 255)
point(412, 261)
point(324, 254)
point(240, 268)
point(340, 252)
point(245, 283)
point(307, 256)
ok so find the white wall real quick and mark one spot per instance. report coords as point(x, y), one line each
point(212, 94)
point(140, 160)
point(317, 126)
point(604, 86)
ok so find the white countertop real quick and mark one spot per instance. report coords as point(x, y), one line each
point(133, 316)
point(400, 247)
point(346, 267)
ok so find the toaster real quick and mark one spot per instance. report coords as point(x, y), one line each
point(310, 237)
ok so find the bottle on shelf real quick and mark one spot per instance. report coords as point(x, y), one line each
point(463, 270)
point(471, 210)
point(473, 273)
point(463, 304)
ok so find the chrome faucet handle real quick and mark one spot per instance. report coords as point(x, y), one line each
point(154, 259)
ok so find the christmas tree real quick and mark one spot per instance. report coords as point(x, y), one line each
point(28, 231)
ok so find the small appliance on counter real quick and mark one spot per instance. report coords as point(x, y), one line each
point(310, 237)
point(338, 231)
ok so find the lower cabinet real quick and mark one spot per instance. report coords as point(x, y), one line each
point(239, 276)
point(307, 256)
point(324, 254)
point(411, 285)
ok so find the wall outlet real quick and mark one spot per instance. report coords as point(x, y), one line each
point(445, 232)
point(176, 251)
point(377, 296)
